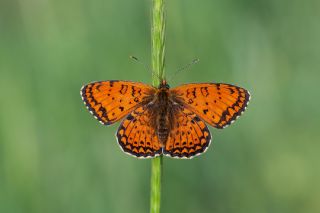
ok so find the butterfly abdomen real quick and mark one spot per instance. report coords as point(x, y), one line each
point(162, 130)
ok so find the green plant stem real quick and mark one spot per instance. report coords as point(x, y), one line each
point(157, 52)
point(158, 39)
point(156, 167)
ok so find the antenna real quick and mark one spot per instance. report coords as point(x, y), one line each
point(186, 67)
point(194, 61)
point(143, 64)
point(137, 60)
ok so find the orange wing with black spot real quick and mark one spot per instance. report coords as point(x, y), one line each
point(136, 135)
point(217, 104)
point(189, 136)
point(109, 101)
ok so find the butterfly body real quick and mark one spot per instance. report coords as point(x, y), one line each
point(162, 110)
point(164, 121)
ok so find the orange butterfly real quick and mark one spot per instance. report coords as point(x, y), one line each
point(162, 120)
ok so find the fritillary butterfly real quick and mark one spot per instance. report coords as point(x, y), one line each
point(164, 121)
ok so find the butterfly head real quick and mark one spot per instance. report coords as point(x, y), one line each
point(164, 85)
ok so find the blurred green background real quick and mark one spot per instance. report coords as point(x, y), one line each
point(55, 157)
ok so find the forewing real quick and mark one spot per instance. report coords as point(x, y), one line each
point(189, 136)
point(109, 101)
point(216, 103)
point(136, 135)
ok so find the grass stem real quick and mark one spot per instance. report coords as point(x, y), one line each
point(157, 53)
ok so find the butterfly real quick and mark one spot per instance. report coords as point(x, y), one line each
point(164, 121)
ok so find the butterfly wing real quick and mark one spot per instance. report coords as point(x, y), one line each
point(109, 101)
point(136, 135)
point(189, 136)
point(216, 103)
